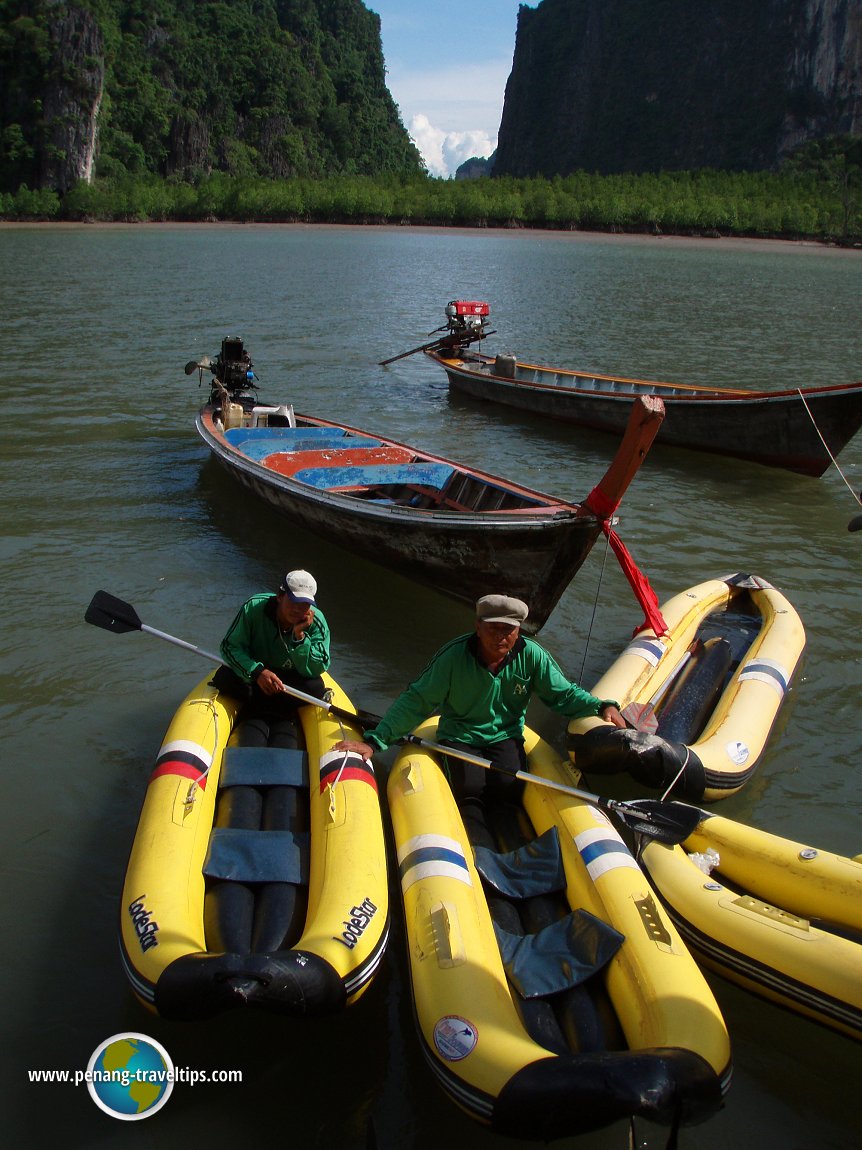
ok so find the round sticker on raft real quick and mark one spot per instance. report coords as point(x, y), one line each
point(454, 1037)
point(737, 752)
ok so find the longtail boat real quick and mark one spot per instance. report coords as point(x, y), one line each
point(800, 429)
point(446, 525)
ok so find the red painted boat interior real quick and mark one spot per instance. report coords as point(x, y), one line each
point(289, 462)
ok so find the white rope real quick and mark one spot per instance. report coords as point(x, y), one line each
point(195, 783)
point(678, 774)
point(856, 499)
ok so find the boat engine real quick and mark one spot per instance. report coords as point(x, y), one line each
point(468, 318)
point(233, 366)
point(234, 375)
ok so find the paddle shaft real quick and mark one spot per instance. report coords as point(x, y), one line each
point(112, 614)
point(477, 760)
point(181, 643)
point(524, 776)
point(313, 700)
point(642, 717)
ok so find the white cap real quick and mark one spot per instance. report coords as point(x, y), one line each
point(299, 586)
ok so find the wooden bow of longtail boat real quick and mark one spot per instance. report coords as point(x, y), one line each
point(646, 418)
point(464, 532)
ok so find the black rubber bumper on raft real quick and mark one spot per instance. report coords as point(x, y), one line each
point(292, 982)
point(562, 1097)
point(649, 759)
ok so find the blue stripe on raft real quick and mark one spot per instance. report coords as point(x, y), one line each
point(594, 850)
point(768, 670)
point(431, 854)
point(650, 649)
point(434, 475)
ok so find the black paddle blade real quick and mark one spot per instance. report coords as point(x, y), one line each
point(112, 614)
point(669, 823)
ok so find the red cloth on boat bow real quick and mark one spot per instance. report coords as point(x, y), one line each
point(602, 508)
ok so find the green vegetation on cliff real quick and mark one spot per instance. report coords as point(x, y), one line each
point(181, 88)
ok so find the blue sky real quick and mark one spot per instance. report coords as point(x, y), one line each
point(447, 63)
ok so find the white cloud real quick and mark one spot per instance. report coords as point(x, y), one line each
point(444, 151)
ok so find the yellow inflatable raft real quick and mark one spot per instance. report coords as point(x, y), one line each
point(778, 917)
point(257, 875)
point(701, 699)
point(611, 1018)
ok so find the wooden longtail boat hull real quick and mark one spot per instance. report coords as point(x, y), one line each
point(475, 534)
point(779, 429)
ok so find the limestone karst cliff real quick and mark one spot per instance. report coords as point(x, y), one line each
point(649, 85)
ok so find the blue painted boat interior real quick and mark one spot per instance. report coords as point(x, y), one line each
point(259, 446)
point(235, 434)
point(434, 475)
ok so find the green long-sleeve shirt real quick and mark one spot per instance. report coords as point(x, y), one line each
point(476, 705)
point(254, 640)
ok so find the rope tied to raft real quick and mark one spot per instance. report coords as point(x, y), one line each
point(195, 783)
point(678, 774)
point(337, 778)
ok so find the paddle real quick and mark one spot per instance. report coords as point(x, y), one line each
point(666, 822)
point(113, 614)
point(642, 716)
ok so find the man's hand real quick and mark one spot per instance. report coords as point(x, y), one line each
point(356, 747)
point(269, 682)
point(611, 714)
point(300, 626)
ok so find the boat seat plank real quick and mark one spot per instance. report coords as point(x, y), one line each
point(239, 855)
point(289, 462)
point(259, 449)
point(237, 434)
point(434, 475)
point(264, 767)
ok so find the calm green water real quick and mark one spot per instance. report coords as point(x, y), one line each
point(105, 485)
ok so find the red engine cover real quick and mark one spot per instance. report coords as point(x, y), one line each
point(470, 307)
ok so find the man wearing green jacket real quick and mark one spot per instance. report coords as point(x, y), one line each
point(480, 685)
point(276, 641)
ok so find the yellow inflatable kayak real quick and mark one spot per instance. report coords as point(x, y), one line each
point(553, 994)
point(701, 699)
point(258, 875)
point(778, 917)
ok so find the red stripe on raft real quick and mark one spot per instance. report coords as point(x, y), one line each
point(184, 770)
point(348, 773)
